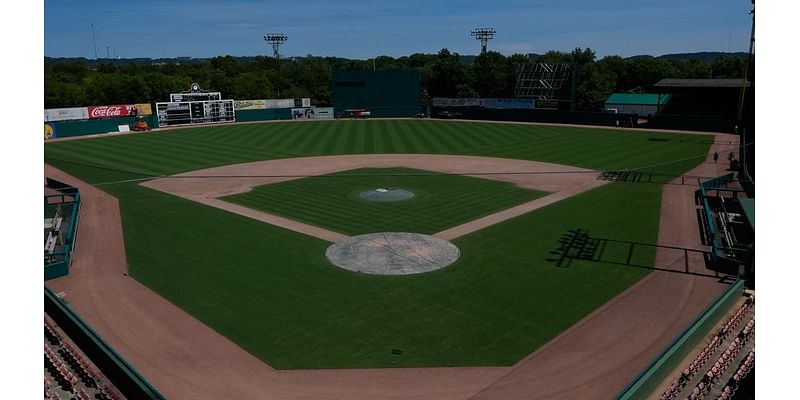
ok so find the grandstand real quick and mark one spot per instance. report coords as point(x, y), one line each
point(701, 104)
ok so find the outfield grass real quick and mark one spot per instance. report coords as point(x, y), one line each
point(273, 292)
point(332, 201)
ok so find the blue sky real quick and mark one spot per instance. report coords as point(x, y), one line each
point(364, 29)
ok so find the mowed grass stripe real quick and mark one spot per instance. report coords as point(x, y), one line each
point(391, 143)
point(110, 157)
point(449, 142)
point(264, 134)
point(434, 137)
point(240, 137)
point(369, 141)
point(193, 155)
point(406, 144)
point(444, 201)
point(325, 138)
point(279, 137)
point(501, 300)
point(419, 141)
point(359, 142)
point(310, 132)
point(316, 206)
point(469, 136)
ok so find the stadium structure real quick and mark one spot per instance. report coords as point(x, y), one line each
point(499, 251)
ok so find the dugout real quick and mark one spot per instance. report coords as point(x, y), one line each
point(383, 93)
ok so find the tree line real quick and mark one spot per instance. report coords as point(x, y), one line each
point(79, 82)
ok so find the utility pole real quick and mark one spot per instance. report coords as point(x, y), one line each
point(747, 66)
point(94, 42)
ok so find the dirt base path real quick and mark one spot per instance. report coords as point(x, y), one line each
point(184, 358)
point(208, 185)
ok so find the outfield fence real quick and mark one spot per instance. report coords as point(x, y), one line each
point(537, 115)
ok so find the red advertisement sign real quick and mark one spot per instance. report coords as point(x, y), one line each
point(124, 110)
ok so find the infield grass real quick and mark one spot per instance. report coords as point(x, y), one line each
point(272, 291)
point(332, 201)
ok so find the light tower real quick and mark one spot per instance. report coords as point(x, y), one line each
point(275, 39)
point(483, 34)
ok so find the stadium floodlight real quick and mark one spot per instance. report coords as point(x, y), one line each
point(483, 34)
point(275, 39)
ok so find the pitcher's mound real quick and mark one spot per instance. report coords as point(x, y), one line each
point(393, 253)
point(386, 195)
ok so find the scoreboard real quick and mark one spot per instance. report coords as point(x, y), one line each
point(201, 96)
point(195, 106)
point(195, 112)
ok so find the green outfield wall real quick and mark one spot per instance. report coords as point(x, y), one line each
point(64, 129)
point(266, 114)
point(383, 93)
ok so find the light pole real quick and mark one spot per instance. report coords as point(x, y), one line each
point(483, 34)
point(275, 39)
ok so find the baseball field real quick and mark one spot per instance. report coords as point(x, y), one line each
point(272, 291)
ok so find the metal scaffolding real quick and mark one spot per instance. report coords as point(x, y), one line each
point(547, 83)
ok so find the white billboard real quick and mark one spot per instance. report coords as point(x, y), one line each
point(312, 113)
point(457, 102)
point(280, 103)
point(288, 103)
point(65, 114)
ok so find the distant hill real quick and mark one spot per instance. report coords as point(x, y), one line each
point(707, 56)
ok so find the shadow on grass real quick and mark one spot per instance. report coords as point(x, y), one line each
point(577, 244)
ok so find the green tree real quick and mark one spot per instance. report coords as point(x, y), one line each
point(447, 72)
point(493, 75)
point(728, 67)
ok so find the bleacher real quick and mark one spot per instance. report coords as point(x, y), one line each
point(68, 372)
point(732, 349)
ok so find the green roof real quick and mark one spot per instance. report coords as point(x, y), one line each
point(638, 98)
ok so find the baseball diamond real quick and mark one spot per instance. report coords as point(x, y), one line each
point(203, 256)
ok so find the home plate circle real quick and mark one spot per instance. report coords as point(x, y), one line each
point(393, 253)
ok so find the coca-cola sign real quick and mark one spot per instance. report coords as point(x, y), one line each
point(110, 111)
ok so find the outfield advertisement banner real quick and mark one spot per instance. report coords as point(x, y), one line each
point(281, 103)
point(323, 112)
point(312, 113)
point(509, 103)
point(457, 102)
point(65, 114)
point(485, 103)
point(144, 108)
point(115, 111)
point(50, 131)
point(288, 103)
point(249, 104)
